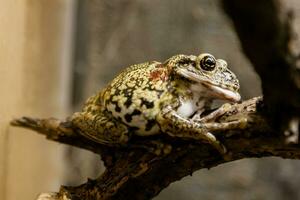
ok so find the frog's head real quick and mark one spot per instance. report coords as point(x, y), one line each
point(208, 75)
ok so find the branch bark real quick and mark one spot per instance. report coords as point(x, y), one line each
point(135, 172)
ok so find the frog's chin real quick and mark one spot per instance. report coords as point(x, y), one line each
point(215, 90)
point(223, 93)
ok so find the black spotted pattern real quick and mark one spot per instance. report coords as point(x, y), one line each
point(128, 117)
point(148, 104)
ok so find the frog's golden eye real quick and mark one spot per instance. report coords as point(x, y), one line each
point(208, 63)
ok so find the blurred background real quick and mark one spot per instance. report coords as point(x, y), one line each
point(54, 54)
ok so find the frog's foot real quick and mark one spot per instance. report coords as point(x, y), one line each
point(237, 124)
point(161, 148)
point(177, 126)
point(215, 143)
point(213, 115)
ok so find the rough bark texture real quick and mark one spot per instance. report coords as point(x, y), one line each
point(134, 172)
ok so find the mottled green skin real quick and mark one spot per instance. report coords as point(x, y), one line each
point(137, 95)
point(145, 99)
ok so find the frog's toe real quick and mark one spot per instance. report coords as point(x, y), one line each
point(227, 156)
point(162, 149)
point(226, 107)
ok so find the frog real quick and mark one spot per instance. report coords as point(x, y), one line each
point(162, 98)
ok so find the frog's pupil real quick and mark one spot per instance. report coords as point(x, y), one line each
point(208, 63)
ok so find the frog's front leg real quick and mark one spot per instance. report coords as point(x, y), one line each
point(177, 126)
point(216, 126)
point(213, 115)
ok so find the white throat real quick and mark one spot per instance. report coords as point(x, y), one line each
point(187, 108)
point(200, 97)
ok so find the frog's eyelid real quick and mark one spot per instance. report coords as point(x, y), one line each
point(187, 61)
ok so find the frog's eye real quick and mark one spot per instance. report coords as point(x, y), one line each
point(208, 63)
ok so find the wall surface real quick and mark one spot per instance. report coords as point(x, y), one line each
point(35, 54)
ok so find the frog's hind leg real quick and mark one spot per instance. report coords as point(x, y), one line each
point(100, 128)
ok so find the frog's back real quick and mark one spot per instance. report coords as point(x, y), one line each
point(133, 97)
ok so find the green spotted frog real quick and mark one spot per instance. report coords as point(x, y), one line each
point(161, 98)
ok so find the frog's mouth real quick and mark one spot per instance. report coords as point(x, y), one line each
point(215, 90)
point(222, 93)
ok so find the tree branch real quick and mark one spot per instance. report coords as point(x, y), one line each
point(133, 172)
